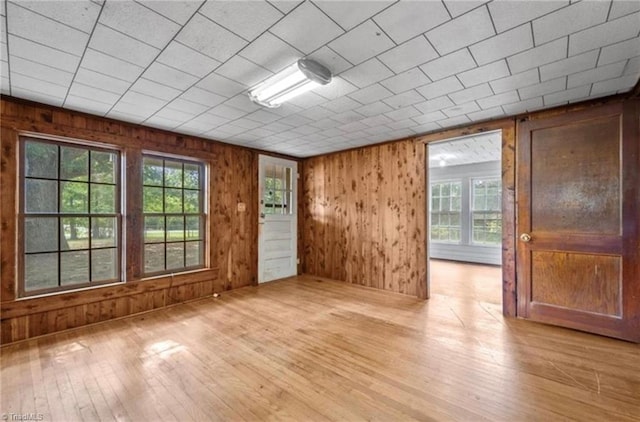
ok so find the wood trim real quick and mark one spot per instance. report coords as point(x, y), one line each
point(8, 212)
point(466, 130)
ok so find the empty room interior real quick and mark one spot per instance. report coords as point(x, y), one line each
point(320, 210)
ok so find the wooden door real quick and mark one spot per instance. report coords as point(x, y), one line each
point(278, 235)
point(578, 194)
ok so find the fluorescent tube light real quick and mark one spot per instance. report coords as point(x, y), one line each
point(300, 77)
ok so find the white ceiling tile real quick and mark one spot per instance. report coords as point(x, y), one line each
point(371, 94)
point(367, 73)
point(462, 31)
point(347, 116)
point(139, 22)
point(285, 6)
point(247, 19)
point(498, 100)
point(306, 100)
point(605, 34)
point(454, 121)
point(4, 54)
point(184, 58)
point(116, 44)
point(487, 114)
point(488, 72)
point(448, 65)
point(202, 96)
point(242, 102)
point(177, 116)
point(507, 14)
point(620, 51)
point(332, 60)
point(349, 13)
point(4, 70)
point(86, 105)
point(374, 109)
point(458, 7)
point(169, 76)
point(598, 74)
point(407, 80)
point(220, 85)
point(410, 54)
point(187, 106)
point(160, 122)
point(548, 87)
point(403, 113)
point(440, 88)
point(271, 52)
point(209, 38)
point(633, 66)
point(31, 26)
point(571, 19)
point(426, 128)
point(503, 45)
point(429, 117)
point(243, 71)
point(227, 112)
point(277, 127)
point(305, 129)
point(434, 105)
point(306, 28)
point(3, 11)
point(623, 83)
point(353, 127)
point(562, 97)
point(207, 122)
point(46, 89)
point(361, 43)
point(523, 106)
point(458, 110)
point(405, 20)
point(43, 54)
point(133, 117)
point(93, 94)
point(623, 7)
point(470, 94)
point(376, 120)
point(35, 94)
point(516, 81)
point(178, 11)
point(263, 116)
point(104, 82)
point(571, 65)
point(538, 56)
point(341, 105)
point(145, 104)
point(317, 113)
point(42, 72)
point(102, 63)
point(405, 99)
point(337, 88)
point(155, 89)
point(78, 14)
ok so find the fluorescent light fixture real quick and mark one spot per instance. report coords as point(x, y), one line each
point(302, 76)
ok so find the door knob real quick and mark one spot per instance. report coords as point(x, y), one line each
point(525, 237)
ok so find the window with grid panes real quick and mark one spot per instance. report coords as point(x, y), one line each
point(486, 211)
point(70, 212)
point(445, 211)
point(174, 214)
point(278, 190)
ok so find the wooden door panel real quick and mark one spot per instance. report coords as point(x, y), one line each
point(591, 283)
point(578, 197)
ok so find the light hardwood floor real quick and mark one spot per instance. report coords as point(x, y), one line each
point(475, 282)
point(309, 349)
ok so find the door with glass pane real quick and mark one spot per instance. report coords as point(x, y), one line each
point(277, 239)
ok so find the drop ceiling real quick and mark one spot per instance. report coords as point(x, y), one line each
point(401, 68)
point(467, 150)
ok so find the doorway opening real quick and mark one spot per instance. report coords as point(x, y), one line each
point(465, 217)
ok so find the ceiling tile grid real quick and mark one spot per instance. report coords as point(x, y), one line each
point(400, 68)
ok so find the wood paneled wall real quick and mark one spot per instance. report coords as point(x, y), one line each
point(364, 218)
point(232, 235)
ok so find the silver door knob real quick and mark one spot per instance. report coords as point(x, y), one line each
point(525, 237)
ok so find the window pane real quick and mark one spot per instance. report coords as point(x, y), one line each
point(41, 196)
point(73, 197)
point(435, 204)
point(74, 163)
point(194, 254)
point(175, 255)
point(152, 171)
point(172, 174)
point(74, 267)
point(175, 228)
point(444, 190)
point(41, 234)
point(75, 233)
point(104, 264)
point(103, 199)
point(40, 271)
point(153, 229)
point(191, 201)
point(103, 167)
point(41, 160)
point(103, 232)
point(173, 200)
point(193, 228)
point(455, 204)
point(192, 176)
point(154, 258)
point(435, 189)
point(152, 201)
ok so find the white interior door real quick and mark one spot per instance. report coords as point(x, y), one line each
point(278, 219)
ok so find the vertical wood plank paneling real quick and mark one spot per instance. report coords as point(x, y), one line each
point(8, 175)
point(508, 220)
point(362, 211)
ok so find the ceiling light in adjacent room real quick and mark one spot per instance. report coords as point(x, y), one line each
point(300, 77)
